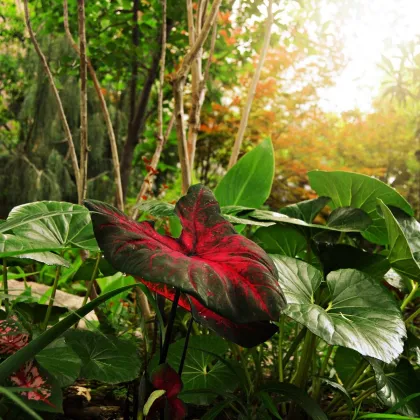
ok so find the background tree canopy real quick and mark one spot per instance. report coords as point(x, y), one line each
point(306, 55)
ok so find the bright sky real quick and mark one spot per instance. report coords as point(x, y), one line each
point(374, 28)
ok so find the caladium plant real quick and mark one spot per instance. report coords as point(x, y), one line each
point(227, 281)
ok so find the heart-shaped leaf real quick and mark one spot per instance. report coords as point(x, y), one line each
point(64, 224)
point(104, 358)
point(349, 218)
point(224, 271)
point(61, 361)
point(345, 362)
point(306, 210)
point(395, 383)
point(359, 191)
point(248, 183)
point(281, 239)
point(362, 314)
point(400, 255)
point(12, 245)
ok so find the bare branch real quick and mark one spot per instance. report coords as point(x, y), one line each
point(161, 139)
point(252, 88)
point(84, 148)
point(105, 112)
point(61, 113)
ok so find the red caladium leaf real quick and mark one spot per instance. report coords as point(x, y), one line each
point(12, 338)
point(224, 271)
point(28, 376)
point(246, 335)
point(164, 377)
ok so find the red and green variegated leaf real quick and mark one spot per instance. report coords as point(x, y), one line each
point(224, 271)
point(246, 335)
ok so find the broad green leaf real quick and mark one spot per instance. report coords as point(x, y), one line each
point(12, 245)
point(61, 361)
point(359, 191)
point(369, 322)
point(104, 358)
point(282, 218)
point(291, 392)
point(248, 183)
point(306, 210)
point(13, 362)
point(281, 239)
point(400, 255)
point(241, 221)
point(202, 369)
point(118, 280)
point(340, 388)
point(55, 222)
point(345, 362)
point(337, 256)
point(346, 217)
point(35, 312)
point(394, 383)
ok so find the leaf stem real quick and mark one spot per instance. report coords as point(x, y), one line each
point(294, 346)
point(413, 316)
point(52, 297)
point(410, 296)
point(185, 349)
point(317, 381)
point(280, 356)
point(5, 287)
point(305, 361)
point(169, 328)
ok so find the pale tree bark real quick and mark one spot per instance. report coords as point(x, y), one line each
point(84, 147)
point(62, 115)
point(251, 92)
point(104, 109)
point(178, 83)
point(147, 184)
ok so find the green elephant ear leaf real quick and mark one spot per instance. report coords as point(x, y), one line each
point(248, 183)
point(349, 217)
point(15, 246)
point(63, 224)
point(359, 191)
point(395, 383)
point(306, 210)
point(281, 239)
point(401, 255)
point(361, 315)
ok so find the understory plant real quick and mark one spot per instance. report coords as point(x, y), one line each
point(308, 311)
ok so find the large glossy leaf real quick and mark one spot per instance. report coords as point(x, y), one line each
point(157, 208)
point(202, 369)
point(61, 361)
point(359, 191)
point(64, 224)
point(224, 271)
point(345, 362)
point(346, 217)
point(400, 255)
point(394, 383)
point(336, 256)
point(104, 358)
point(356, 223)
point(306, 210)
point(12, 245)
point(281, 239)
point(248, 183)
point(361, 315)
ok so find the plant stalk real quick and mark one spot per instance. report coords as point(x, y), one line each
point(413, 316)
point(169, 328)
point(293, 347)
point(305, 361)
point(185, 349)
point(317, 381)
point(52, 297)
point(410, 296)
point(5, 287)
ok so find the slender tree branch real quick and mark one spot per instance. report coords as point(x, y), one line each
point(61, 113)
point(161, 139)
point(178, 89)
point(252, 88)
point(84, 147)
point(104, 109)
